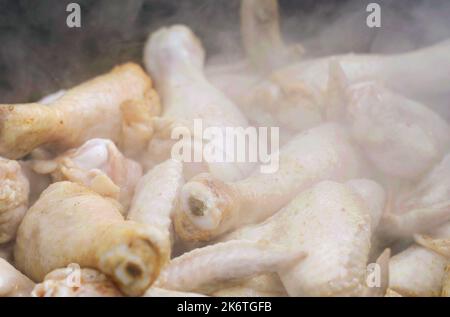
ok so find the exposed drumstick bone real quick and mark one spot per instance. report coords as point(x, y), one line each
point(210, 207)
point(72, 224)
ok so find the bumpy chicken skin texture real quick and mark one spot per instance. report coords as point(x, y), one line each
point(14, 191)
point(96, 108)
point(329, 221)
point(156, 197)
point(210, 207)
point(72, 224)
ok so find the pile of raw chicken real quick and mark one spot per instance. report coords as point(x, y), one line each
point(87, 178)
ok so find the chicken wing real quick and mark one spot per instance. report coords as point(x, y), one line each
point(209, 268)
point(329, 221)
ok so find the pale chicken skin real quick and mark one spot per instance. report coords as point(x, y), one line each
point(175, 59)
point(72, 224)
point(446, 283)
point(97, 108)
point(295, 97)
point(67, 282)
point(12, 282)
point(14, 191)
point(329, 221)
point(392, 129)
point(207, 269)
point(98, 165)
point(421, 206)
point(210, 207)
point(261, 36)
point(270, 284)
point(156, 197)
point(420, 269)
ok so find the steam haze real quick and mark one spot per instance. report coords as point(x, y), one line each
point(40, 54)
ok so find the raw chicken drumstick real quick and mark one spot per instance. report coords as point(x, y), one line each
point(175, 58)
point(210, 207)
point(111, 106)
point(156, 196)
point(98, 165)
point(331, 222)
point(12, 282)
point(261, 36)
point(14, 191)
point(67, 282)
point(209, 268)
point(72, 224)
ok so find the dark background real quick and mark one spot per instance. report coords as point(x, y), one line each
point(39, 54)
